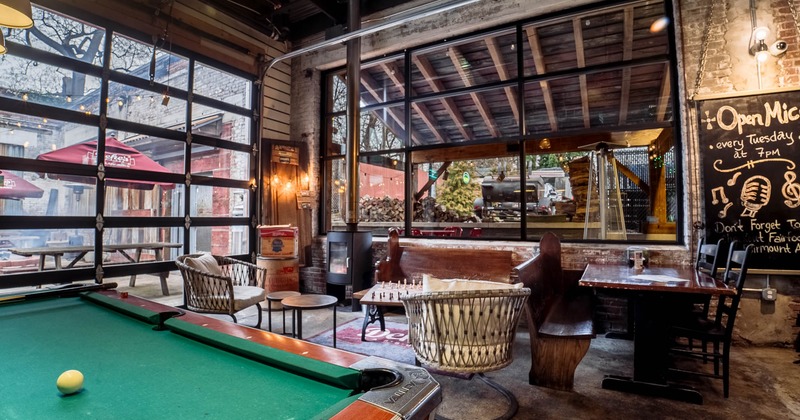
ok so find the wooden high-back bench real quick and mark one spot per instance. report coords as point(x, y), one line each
point(411, 262)
point(559, 317)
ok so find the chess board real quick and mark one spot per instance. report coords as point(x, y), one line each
point(388, 294)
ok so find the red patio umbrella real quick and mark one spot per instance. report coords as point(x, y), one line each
point(14, 187)
point(118, 155)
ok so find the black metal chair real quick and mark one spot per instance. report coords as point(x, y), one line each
point(718, 331)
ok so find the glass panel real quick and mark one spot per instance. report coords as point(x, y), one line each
point(144, 199)
point(221, 124)
point(135, 58)
point(33, 194)
point(145, 107)
point(121, 245)
point(337, 138)
point(337, 89)
point(383, 81)
point(337, 191)
point(472, 62)
point(338, 257)
point(382, 191)
point(167, 153)
point(220, 240)
point(26, 136)
point(451, 203)
point(22, 250)
point(467, 117)
point(44, 84)
point(220, 163)
point(222, 86)
point(208, 201)
point(383, 128)
point(62, 35)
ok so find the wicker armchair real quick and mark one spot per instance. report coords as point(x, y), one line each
point(466, 331)
point(221, 285)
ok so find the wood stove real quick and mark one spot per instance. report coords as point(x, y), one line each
point(349, 263)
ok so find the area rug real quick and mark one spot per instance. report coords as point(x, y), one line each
point(392, 343)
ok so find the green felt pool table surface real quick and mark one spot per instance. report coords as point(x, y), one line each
point(134, 370)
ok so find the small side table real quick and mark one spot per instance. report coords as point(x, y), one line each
point(298, 303)
point(277, 297)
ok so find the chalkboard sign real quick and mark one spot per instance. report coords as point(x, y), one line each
point(750, 154)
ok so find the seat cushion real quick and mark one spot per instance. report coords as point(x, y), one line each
point(433, 284)
point(205, 263)
point(246, 296)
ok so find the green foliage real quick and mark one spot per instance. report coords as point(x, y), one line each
point(454, 194)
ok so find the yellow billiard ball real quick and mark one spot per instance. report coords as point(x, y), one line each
point(70, 382)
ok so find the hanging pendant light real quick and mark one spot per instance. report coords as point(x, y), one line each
point(16, 14)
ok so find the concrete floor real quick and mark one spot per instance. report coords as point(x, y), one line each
point(765, 381)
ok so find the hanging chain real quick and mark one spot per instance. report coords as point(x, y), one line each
point(701, 69)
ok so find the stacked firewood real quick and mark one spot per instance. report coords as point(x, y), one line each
point(428, 210)
point(381, 209)
point(387, 209)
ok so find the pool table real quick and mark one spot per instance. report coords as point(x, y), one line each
point(143, 360)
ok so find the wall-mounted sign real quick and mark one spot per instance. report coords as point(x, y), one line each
point(288, 155)
point(750, 163)
point(465, 178)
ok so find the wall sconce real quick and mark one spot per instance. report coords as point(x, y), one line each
point(16, 14)
point(275, 180)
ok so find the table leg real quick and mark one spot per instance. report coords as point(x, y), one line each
point(41, 262)
point(164, 274)
point(269, 316)
point(374, 313)
point(334, 326)
point(298, 315)
point(132, 281)
point(283, 309)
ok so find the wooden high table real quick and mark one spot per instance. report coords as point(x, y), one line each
point(658, 294)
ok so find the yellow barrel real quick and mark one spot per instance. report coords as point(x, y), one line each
point(282, 274)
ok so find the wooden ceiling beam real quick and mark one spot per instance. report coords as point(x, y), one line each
point(580, 54)
point(459, 62)
point(538, 62)
point(429, 73)
point(666, 95)
point(627, 55)
point(497, 60)
point(427, 117)
point(373, 90)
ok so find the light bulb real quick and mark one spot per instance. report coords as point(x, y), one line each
point(760, 33)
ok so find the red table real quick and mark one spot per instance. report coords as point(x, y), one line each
point(658, 294)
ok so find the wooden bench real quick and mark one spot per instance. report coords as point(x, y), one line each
point(408, 264)
point(559, 317)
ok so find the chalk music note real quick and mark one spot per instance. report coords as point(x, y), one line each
point(732, 181)
point(718, 191)
point(791, 190)
point(708, 120)
point(724, 211)
point(755, 194)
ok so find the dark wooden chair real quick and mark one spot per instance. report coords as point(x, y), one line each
point(717, 331)
point(710, 258)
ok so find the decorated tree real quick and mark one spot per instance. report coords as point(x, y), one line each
point(458, 192)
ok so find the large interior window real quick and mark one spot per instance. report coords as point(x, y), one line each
point(564, 125)
point(176, 133)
